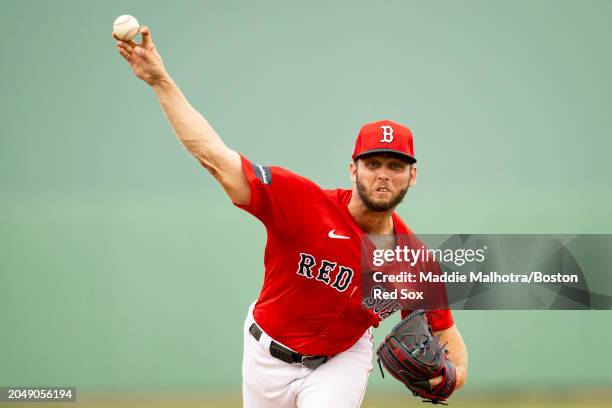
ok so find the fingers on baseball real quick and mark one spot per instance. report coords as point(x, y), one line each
point(124, 54)
point(131, 43)
point(147, 40)
point(126, 46)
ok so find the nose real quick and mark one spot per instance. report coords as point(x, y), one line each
point(382, 175)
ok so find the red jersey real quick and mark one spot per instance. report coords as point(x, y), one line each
point(311, 300)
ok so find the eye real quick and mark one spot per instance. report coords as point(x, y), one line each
point(396, 166)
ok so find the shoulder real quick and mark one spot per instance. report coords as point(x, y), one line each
point(273, 175)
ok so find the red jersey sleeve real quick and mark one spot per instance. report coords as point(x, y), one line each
point(277, 196)
point(438, 319)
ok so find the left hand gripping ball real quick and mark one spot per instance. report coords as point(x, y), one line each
point(125, 27)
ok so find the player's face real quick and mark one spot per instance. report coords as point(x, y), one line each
point(382, 180)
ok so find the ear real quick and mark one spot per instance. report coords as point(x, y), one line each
point(353, 171)
point(413, 175)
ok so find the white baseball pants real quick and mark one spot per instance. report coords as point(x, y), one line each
point(269, 382)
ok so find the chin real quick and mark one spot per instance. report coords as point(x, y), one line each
point(381, 205)
point(381, 201)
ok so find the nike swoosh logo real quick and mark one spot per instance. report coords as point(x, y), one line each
point(333, 235)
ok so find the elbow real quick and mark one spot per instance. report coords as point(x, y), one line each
point(210, 158)
point(212, 169)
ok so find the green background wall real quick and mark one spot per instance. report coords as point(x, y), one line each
point(124, 266)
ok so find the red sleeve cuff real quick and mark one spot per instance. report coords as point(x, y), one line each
point(438, 319)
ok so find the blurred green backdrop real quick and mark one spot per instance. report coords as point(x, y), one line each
point(123, 266)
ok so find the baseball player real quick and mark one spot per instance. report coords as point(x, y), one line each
point(307, 338)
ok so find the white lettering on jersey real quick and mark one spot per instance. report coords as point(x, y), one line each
point(340, 282)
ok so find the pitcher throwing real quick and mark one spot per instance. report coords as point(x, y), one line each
point(307, 338)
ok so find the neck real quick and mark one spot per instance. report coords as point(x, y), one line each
point(370, 222)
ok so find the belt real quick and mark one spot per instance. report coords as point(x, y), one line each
point(284, 354)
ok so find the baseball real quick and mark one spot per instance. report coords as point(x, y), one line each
point(125, 27)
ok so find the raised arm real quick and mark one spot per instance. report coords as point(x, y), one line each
point(194, 132)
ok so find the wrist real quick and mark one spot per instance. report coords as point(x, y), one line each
point(164, 83)
point(461, 376)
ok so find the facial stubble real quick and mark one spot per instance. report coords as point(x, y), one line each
point(378, 206)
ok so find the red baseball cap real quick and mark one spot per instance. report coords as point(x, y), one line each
point(384, 136)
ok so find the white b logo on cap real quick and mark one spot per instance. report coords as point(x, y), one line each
point(387, 135)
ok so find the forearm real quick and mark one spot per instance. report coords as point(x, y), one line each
point(457, 352)
point(194, 132)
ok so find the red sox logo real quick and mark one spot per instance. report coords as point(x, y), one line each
point(382, 307)
point(306, 268)
point(387, 136)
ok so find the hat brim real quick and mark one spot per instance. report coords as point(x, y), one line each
point(372, 152)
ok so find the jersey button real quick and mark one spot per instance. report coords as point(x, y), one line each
point(323, 337)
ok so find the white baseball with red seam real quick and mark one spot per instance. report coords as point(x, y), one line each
point(125, 27)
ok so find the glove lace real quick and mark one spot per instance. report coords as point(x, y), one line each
point(381, 370)
point(435, 401)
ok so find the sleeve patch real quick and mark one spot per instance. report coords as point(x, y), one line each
point(263, 173)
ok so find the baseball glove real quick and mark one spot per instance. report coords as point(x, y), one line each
point(413, 356)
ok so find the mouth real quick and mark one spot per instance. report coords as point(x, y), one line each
point(382, 190)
